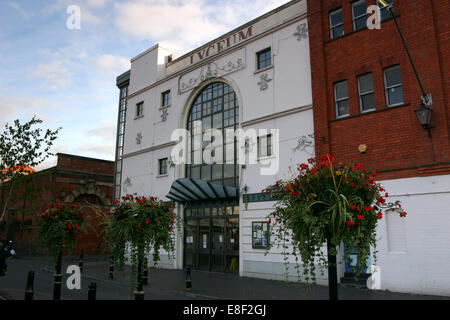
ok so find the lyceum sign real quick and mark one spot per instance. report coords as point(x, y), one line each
point(221, 45)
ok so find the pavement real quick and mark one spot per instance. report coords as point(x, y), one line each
point(166, 284)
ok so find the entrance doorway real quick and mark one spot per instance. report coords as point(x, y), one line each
point(211, 239)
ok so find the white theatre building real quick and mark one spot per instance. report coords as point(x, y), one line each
point(258, 77)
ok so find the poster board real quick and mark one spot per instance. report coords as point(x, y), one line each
point(260, 235)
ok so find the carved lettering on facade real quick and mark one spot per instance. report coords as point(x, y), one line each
point(222, 44)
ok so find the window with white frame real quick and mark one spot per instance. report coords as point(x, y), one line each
point(359, 15)
point(140, 109)
point(366, 93)
point(162, 164)
point(265, 146)
point(165, 98)
point(393, 86)
point(336, 23)
point(341, 99)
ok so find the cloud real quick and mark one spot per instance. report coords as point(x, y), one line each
point(111, 65)
point(96, 3)
point(107, 131)
point(183, 25)
point(56, 75)
point(99, 149)
point(25, 106)
point(25, 14)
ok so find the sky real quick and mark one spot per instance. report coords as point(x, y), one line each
point(59, 59)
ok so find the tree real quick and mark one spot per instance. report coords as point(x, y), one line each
point(330, 203)
point(22, 146)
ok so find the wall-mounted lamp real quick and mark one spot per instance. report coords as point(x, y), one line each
point(423, 114)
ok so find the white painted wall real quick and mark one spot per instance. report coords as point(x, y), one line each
point(414, 252)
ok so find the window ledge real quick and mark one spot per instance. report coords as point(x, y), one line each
point(263, 69)
point(162, 175)
point(164, 107)
point(265, 158)
point(385, 108)
point(135, 118)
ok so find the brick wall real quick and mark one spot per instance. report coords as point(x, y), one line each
point(75, 179)
point(397, 145)
point(77, 163)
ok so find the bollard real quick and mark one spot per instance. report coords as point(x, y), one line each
point(58, 278)
point(92, 292)
point(80, 264)
point(29, 292)
point(145, 273)
point(188, 278)
point(111, 268)
point(139, 293)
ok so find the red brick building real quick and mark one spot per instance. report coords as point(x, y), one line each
point(397, 146)
point(74, 179)
point(364, 96)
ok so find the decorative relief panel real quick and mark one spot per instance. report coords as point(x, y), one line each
point(139, 138)
point(305, 143)
point(217, 68)
point(301, 32)
point(164, 114)
point(264, 82)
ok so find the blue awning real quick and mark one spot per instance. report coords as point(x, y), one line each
point(188, 190)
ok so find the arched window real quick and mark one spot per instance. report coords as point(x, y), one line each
point(216, 106)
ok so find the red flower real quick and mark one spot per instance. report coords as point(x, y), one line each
point(269, 221)
point(374, 174)
point(304, 166)
point(310, 160)
point(288, 188)
point(403, 214)
point(116, 202)
point(386, 195)
point(139, 227)
point(357, 165)
point(294, 193)
point(170, 229)
point(314, 170)
point(359, 217)
point(147, 222)
point(369, 208)
point(379, 215)
point(350, 223)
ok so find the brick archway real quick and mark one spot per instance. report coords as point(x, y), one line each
point(91, 190)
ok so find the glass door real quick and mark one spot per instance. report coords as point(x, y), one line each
point(190, 241)
point(203, 244)
point(218, 244)
point(232, 252)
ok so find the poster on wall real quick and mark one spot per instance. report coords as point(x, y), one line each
point(260, 235)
